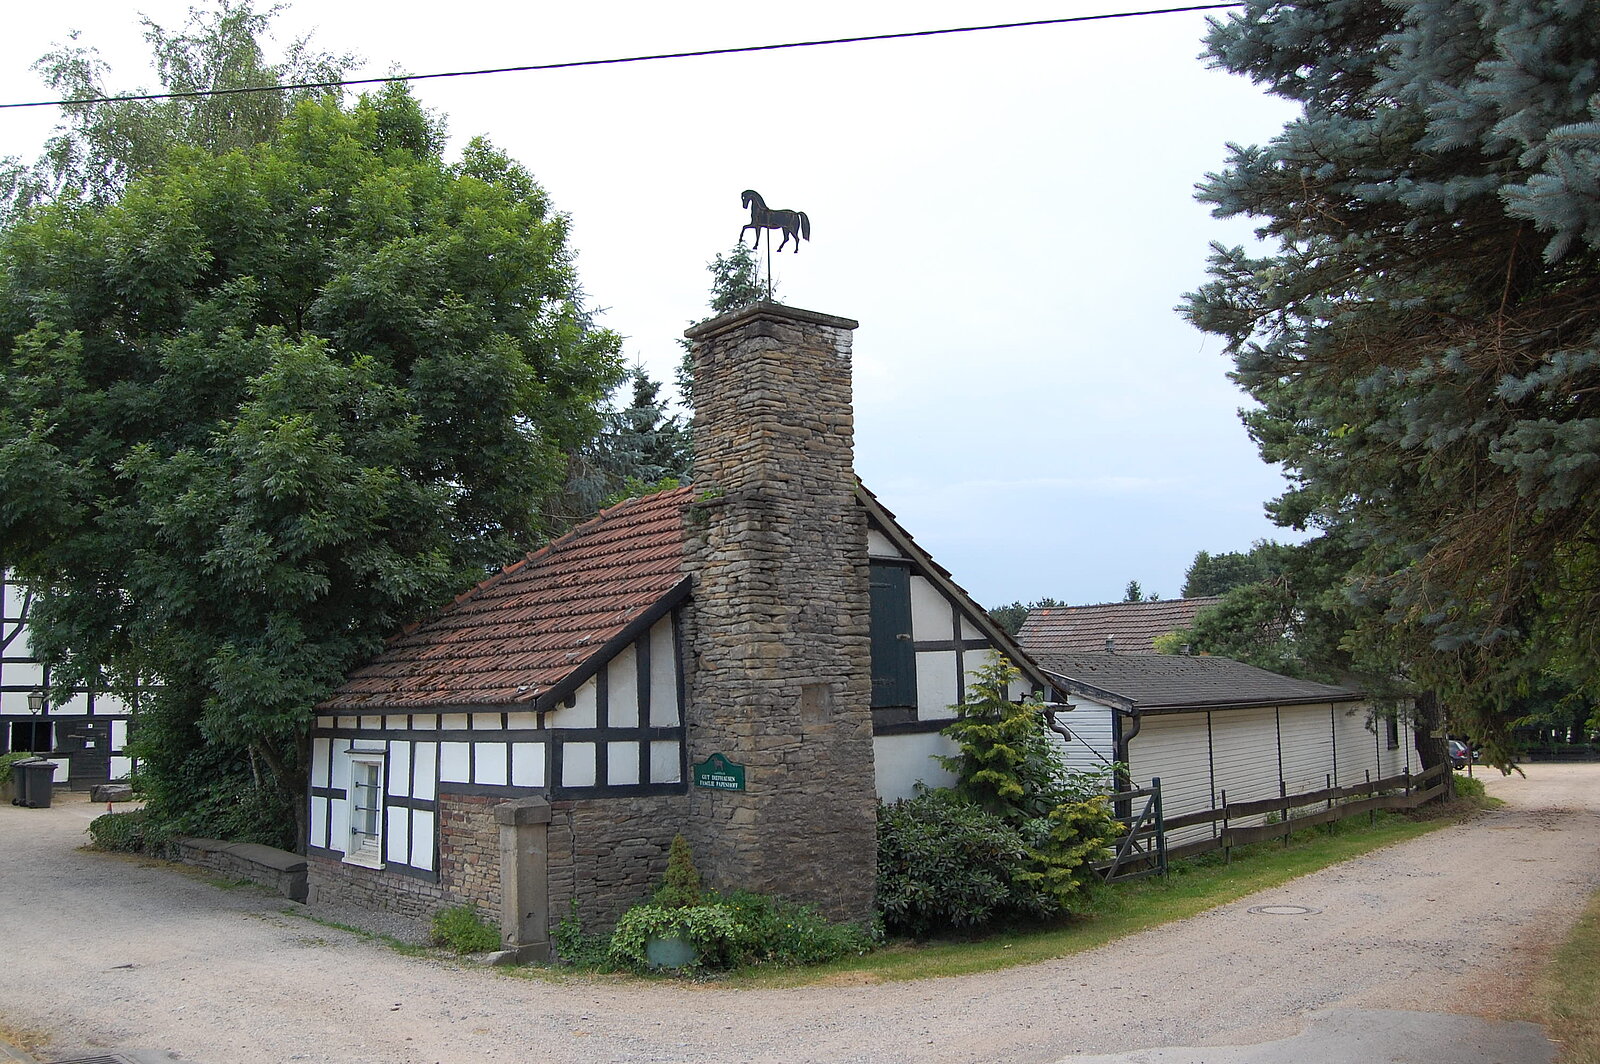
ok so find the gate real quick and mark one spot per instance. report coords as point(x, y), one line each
point(1141, 849)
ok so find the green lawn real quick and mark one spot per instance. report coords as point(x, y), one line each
point(1190, 887)
point(1568, 996)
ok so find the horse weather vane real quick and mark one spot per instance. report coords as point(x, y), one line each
point(793, 224)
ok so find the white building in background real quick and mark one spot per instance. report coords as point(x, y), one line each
point(85, 734)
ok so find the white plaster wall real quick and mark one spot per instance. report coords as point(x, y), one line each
point(422, 829)
point(319, 822)
point(426, 775)
point(902, 761)
point(489, 764)
point(932, 616)
point(527, 764)
point(622, 689)
point(936, 684)
point(455, 763)
point(400, 770)
point(397, 834)
point(578, 765)
point(583, 713)
point(879, 545)
point(622, 764)
point(664, 710)
point(665, 762)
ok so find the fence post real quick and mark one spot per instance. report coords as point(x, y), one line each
point(1227, 838)
point(1283, 796)
point(1372, 814)
point(1332, 823)
point(1161, 826)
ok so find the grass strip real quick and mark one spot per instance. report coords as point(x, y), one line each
point(1569, 991)
point(1189, 888)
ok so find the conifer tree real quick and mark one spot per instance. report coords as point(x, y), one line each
point(1423, 337)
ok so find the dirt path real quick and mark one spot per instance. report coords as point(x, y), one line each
point(104, 952)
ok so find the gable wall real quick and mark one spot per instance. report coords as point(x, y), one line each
point(950, 649)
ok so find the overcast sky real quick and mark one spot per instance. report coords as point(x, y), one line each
point(1008, 214)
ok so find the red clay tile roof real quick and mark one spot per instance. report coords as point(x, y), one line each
point(1133, 625)
point(528, 631)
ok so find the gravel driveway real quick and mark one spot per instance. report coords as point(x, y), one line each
point(107, 952)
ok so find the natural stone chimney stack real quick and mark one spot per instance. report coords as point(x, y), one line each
point(779, 670)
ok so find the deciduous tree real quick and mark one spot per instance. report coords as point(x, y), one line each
point(98, 148)
point(264, 407)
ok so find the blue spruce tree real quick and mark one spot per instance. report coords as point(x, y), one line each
point(1423, 336)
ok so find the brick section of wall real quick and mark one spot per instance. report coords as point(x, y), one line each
point(334, 881)
point(780, 670)
point(469, 850)
point(609, 853)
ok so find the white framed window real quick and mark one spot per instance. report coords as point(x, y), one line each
point(365, 797)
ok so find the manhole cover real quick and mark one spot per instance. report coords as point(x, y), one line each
point(1284, 910)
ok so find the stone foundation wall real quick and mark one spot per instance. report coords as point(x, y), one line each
point(334, 881)
point(281, 870)
point(609, 853)
point(469, 850)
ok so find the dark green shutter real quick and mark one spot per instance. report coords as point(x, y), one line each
point(894, 656)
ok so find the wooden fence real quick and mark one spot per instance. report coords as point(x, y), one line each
point(1141, 849)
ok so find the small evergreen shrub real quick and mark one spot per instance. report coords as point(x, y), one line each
point(680, 886)
point(461, 928)
point(1470, 788)
point(1065, 845)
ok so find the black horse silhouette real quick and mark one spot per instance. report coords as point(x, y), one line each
point(793, 223)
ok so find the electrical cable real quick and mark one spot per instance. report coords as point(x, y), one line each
point(400, 78)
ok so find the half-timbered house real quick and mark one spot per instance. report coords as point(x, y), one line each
point(751, 661)
point(83, 730)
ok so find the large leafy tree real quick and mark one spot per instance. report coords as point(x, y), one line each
point(98, 148)
point(265, 406)
point(1423, 337)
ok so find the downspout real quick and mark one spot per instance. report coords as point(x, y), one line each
point(1124, 740)
point(1121, 738)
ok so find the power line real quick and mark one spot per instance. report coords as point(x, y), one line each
point(399, 78)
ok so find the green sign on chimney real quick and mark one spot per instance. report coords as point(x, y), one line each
point(719, 774)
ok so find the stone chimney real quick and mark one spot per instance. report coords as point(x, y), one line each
point(779, 667)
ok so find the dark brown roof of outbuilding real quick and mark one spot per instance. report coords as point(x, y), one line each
point(525, 635)
point(1132, 625)
point(1177, 681)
